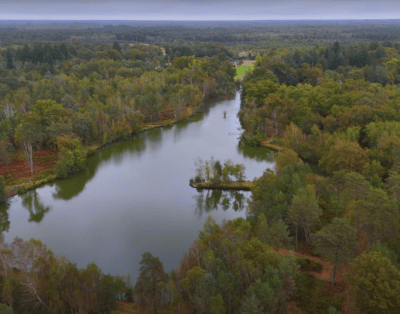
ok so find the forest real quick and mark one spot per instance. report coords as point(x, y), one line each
point(226, 32)
point(330, 207)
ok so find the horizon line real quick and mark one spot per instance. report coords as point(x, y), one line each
point(158, 20)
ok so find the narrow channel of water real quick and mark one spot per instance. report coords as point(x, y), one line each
point(135, 196)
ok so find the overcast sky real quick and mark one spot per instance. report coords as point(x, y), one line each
point(198, 9)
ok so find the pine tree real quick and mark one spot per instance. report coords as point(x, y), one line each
point(336, 242)
point(9, 60)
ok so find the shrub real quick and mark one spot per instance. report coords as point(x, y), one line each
point(168, 122)
point(306, 291)
point(199, 186)
point(21, 190)
point(30, 186)
point(90, 151)
point(5, 309)
point(255, 140)
point(216, 181)
point(307, 264)
point(310, 296)
point(197, 179)
point(2, 189)
point(104, 138)
point(62, 167)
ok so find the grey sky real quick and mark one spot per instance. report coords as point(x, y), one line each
point(198, 9)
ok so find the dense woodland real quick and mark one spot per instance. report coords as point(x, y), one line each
point(227, 32)
point(335, 191)
point(65, 98)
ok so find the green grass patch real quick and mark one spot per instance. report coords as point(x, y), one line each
point(19, 181)
point(241, 70)
point(43, 174)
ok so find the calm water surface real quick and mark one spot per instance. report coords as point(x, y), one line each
point(135, 196)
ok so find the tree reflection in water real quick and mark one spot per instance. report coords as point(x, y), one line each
point(31, 201)
point(4, 222)
point(208, 200)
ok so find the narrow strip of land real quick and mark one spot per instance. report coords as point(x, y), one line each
point(209, 185)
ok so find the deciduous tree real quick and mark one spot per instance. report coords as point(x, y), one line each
point(377, 281)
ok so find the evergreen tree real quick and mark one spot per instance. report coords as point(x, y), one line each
point(336, 242)
point(9, 60)
point(64, 51)
point(26, 54)
point(2, 189)
point(147, 286)
point(116, 46)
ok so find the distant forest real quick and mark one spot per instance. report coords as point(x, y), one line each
point(228, 32)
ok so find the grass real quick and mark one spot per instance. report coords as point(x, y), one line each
point(241, 70)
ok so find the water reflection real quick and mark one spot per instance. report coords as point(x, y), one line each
point(154, 135)
point(208, 200)
point(181, 126)
point(73, 186)
point(31, 201)
point(254, 152)
point(4, 222)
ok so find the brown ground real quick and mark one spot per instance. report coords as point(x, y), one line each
point(19, 168)
point(18, 171)
point(248, 63)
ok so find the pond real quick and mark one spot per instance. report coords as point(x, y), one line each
point(135, 196)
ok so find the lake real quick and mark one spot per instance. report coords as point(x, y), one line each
point(135, 196)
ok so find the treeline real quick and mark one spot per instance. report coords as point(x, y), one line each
point(238, 266)
point(226, 270)
point(207, 31)
point(107, 96)
point(374, 62)
point(199, 50)
point(345, 124)
point(35, 281)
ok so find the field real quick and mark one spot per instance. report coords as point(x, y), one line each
point(241, 70)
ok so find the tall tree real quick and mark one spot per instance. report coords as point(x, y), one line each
point(304, 211)
point(146, 288)
point(28, 134)
point(9, 60)
point(116, 46)
point(378, 215)
point(378, 283)
point(2, 189)
point(336, 242)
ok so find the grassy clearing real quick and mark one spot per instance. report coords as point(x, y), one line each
point(241, 70)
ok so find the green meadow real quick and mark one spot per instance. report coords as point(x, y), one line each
point(241, 70)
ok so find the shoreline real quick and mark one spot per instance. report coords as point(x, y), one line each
point(14, 190)
point(240, 186)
